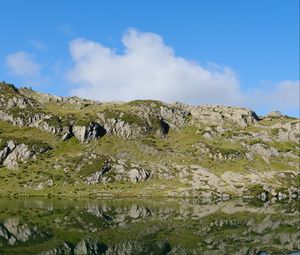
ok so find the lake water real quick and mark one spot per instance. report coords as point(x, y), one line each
point(148, 226)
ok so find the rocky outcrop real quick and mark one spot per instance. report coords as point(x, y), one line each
point(89, 132)
point(19, 153)
point(289, 131)
point(122, 127)
point(121, 171)
point(136, 175)
point(274, 114)
point(14, 153)
point(195, 147)
point(219, 115)
point(171, 114)
point(98, 176)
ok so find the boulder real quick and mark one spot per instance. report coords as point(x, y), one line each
point(136, 175)
point(276, 114)
point(89, 247)
point(13, 153)
point(89, 132)
point(20, 153)
point(217, 115)
point(97, 177)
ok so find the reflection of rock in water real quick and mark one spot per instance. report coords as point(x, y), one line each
point(63, 249)
point(92, 247)
point(88, 246)
point(84, 247)
point(119, 216)
point(12, 232)
point(141, 247)
point(148, 227)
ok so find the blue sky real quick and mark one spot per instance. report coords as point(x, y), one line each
point(232, 52)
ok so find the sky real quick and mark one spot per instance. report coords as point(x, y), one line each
point(227, 52)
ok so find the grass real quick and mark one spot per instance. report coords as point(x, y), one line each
point(68, 163)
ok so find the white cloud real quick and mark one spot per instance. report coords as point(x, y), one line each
point(22, 64)
point(148, 69)
point(283, 96)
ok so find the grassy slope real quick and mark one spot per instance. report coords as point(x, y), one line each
point(179, 147)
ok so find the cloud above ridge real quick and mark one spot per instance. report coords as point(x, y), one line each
point(283, 96)
point(148, 69)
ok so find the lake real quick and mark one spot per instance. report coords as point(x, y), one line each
point(148, 226)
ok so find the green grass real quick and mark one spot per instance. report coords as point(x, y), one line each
point(68, 163)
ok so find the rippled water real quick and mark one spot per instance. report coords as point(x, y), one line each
point(148, 226)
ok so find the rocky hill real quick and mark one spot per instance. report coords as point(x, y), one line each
point(67, 146)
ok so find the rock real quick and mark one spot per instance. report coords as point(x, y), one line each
point(217, 115)
point(4, 232)
point(281, 196)
point(264, 151)
point(263, 196)
point(119, 127)
point(4, 153)
point(89, 247)
point(20, 153)
point(12, 240)
point(136, 175)
point(21, 232)
point(97, 177)
point(13, 232)
point(140, 247)
point(63, 249)
point(94, 178)
point(276, 114)
point(13, 153)
point(49, 183)
point(207, 135)
point(175, 117)
point(288, 131)
point(89, 132)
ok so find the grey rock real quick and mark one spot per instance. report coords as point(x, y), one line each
point(12, 154)
point(63, 249)
point(4, 153)
point(263, 150)
point(136, 175)
point(118, 127)
point(21, 233)
point(97, 176)
point(89, 132)
point(275, 114)
point(20, 153)
point(218, 115)
point(89, 247)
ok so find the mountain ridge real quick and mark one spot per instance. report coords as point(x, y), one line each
point(54, 146)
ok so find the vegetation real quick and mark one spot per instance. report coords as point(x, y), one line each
point(69, 163)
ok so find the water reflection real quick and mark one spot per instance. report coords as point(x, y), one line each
point(148, 226)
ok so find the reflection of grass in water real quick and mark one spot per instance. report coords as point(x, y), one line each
point(70, 221)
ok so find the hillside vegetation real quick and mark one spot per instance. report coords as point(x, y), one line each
point(56, 146)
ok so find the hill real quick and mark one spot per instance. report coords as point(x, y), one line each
point(68, 146)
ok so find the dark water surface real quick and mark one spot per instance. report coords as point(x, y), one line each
point(147, 226)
